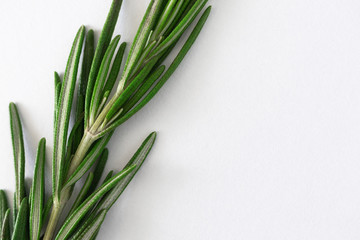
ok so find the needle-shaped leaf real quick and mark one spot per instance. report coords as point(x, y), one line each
point(138, 159)
point(142, 58)
point(185, 7)
point(181, 27)
point(14, 210)
point(101, 79)
point(178, 59)
point(37, 193)
point(115, 68)
point(3, 207)
point(103, 43)
point(87, 59)
point(110, 198)
point(99, 169)
point(88, 161)
point(91, 228)
point(65, 104)
point(47, 208)
point(140, 40)
point(5, 226)
point(72, 222)
point(57, 83)
point(172, 17)
point(19, 156)
point(130, 89)
point(22, 220)
point(144, 88)
point(83, 192)
point(88, 55)
point(163, 18)
point(108, 176)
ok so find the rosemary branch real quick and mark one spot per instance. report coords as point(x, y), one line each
point(97, 115)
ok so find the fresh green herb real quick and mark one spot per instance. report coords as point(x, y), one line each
point(97, 114)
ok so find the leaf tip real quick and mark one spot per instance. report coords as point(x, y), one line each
point(153, 135)
point(208, 9)
point(90, 32)
point(43, 141)
point(12, 105)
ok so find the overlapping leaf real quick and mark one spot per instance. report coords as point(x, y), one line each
point(20, 229)
point(5, 227)
point(37, 193)
point(72, 222)
point(19, 157)
point(178, 59)
point(104, 41)
point(63, 115)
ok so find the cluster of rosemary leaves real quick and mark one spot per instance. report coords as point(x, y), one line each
point(100, 109)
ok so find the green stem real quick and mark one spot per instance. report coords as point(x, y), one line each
point(87, 140)
point(65, 194)
point(53, 220)
point(85, 143)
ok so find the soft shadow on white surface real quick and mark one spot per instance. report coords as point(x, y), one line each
point(258, 130)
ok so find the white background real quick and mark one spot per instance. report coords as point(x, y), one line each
point(258, 130)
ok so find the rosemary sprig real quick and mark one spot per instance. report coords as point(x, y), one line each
point(97, 114)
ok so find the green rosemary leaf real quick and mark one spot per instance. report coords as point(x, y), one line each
point(88, 161)
point(178, 59)
point(87, 59)
point(22, 220)
point(97, 96)
point(91, 214)
point(185, 7)
point(104, 41)
point(98, 173)
point(88, 55)
point(83, 192)
point(138, 159)
point(130, 89)
point(110, 198)
point(88, 219)
point(3, 207)
point(108, 176)
point(180, 28)
point(14, 210)
point(143, 89)
point(188, 7)
point(5, 226)
point(65, 104)
point(115, 69)
point(37, 193)
point(47, 208)
point(143, 56)
point(19, 156)
point(140, 40)
point(99, 169)
point(172, 17)
point(164, 19)
point(165, 54)
point(91, 228)
point(94, 236)
point(57, 83)
point(72, 222)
